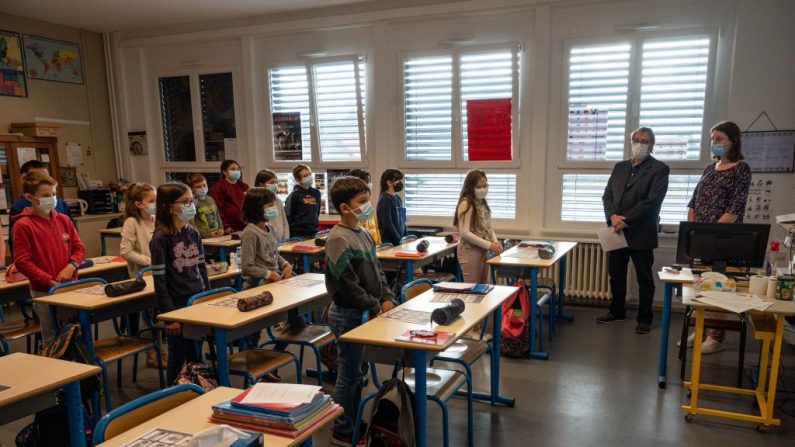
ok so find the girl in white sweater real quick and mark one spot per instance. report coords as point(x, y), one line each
point(139, 224)
point(473, 219)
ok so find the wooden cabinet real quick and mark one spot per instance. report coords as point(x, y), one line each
point(12, 147)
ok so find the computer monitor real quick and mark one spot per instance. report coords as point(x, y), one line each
point(721, 244)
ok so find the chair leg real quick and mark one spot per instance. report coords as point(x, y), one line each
point(357, 425)
point(301, 361)
point(298, 366)
point(741, 366)
point(319, 364)
point(118, 373)
point(28, 343)
point(105, 385)
point(445, 421)
point(135, 368)
point(159, 359)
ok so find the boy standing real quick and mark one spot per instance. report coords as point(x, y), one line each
point(47, 248)
point(303, 204)
point(356, 284)
point(207, 219)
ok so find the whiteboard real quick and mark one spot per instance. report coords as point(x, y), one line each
point(772, 151)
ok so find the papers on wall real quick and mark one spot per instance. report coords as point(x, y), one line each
point(230, 148)
point(733, 301)
point(759, 206)
point(610, 240)
point(281, 394)
point(26, 154)
point(159, 437)
point(74, 154)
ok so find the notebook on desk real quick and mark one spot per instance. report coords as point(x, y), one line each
point(461, 287)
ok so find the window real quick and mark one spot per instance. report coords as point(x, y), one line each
point(582, 198)
point(325, 100)
point(671, 87)
point(217, 111)
point(287, 183)
point(436, 91)
point(434, 194)
point(182, 177)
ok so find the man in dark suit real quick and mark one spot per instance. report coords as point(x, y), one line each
point(632, 201)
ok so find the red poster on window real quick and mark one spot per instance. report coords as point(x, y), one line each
point(489, 129)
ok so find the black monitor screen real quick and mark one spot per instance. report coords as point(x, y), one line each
point(742, 245)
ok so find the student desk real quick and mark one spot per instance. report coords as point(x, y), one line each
point(288, 252)
point(104, 235)
point(437, 248)
point(192, 417)
point(524, 262)
point(223, 244)
point(228, 323)
point(768, 326)
point(32, 381)
point(379, 335)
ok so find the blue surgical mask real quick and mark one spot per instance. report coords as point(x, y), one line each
point(188, 212)
point(273, 187)
point(234, 175)
point(718, 150)
point(151, 208)
point(364, 212)
point(46, 204)
point(202, 192)
point(308, 181)
point(271, 213)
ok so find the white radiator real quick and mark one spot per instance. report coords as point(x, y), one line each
point(586, 273)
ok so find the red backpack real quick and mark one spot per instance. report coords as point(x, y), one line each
point(515, 327)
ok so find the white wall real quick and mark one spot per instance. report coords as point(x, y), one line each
point(754, 72)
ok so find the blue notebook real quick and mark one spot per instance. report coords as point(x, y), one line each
point(457, 287)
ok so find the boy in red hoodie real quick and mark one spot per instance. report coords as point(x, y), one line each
point(47, 248)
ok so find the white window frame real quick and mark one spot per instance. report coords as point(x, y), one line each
point(457, 156)
point(636, 40)
point(201, 164)
point(317, 163)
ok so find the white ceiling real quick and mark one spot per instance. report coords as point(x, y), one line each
point(117, 15)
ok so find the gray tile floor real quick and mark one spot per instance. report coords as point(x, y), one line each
point(599, 387)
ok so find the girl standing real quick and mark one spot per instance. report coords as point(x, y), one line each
point(139, 224)
point(473, 219)
point(259, 244)
point(267, 179)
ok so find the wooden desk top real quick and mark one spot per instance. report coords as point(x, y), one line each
point(30, 375)
point(383, 331)
point(87, 301)
point(532, 259)
point(192, 417)
point(285, 297)
point(111, 231)
point(221, 241)
point(436, 245)
point(82, 273)
point(289, 248)
point(779, 307)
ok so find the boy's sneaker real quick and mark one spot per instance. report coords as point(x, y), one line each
point(642, 329)
point(690, 339)
point(610, 318)
point(345, 440)
point(711, 346)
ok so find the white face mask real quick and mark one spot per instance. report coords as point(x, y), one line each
point(640, 150)
point(481, 193)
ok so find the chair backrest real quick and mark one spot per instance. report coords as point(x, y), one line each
point(76, 285)
point(146, 271)
point(208, 295)
point(408, 238)
point(290, 240)
point(415, 288)
point(140, 410)
point(383, 246)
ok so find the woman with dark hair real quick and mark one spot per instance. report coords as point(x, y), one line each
point(390, 210)
point(720, 196)
point(473, 219)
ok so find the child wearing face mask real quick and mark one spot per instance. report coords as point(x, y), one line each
point(178, 266)
point(390, 210)
point(303, 204)
point(207, 219)
point(139, 224)
point(267, 179)
point(47, 248)
point(473, 219)
point(228, 194)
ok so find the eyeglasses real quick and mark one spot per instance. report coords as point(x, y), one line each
point(184, 202)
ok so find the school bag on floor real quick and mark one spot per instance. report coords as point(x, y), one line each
point(515, 326)
point(391, 421)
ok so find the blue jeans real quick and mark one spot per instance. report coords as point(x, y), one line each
point(348, 390)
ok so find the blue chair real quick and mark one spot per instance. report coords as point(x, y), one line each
point(142, 409)
point(447, 383)
point(116, 348)
point(252, 364)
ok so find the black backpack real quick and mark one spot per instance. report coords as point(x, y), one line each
point(50, 425)
point(392, 421)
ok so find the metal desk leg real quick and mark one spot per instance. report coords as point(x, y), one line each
point(420, 398)
point(533, 313)
point(494, 397)
point(695, 372)
point(774, 367)
point(223, 356)
point(409, 271)
point(666, 322)
point(238, 282)
point(74, 413)
point(307, 263)
point(85, 327)
point(562, 291)
point(222, 254)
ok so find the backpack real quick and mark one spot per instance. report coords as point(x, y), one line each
point(200, 374)
point(49, 425)
point(391, 422)
point(515, 325)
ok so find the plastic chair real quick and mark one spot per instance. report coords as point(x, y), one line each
point(13, 330)
point(142, 409)
point(450, 381)
point(117, 348)
point(252, 364)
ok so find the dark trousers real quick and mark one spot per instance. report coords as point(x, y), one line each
point(617, 264)
point(180, 351)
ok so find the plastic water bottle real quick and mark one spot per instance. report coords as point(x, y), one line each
point(776, 259)
point(238, 258)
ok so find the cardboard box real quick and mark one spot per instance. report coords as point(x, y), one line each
point(36, 129)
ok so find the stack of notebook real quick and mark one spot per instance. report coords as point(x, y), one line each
point(276, 408)
point(462, 287)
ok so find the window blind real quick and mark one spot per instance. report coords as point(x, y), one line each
point(435, 194)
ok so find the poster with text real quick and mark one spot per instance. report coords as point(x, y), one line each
point(287, 136)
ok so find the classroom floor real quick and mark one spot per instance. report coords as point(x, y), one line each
point(599, 388)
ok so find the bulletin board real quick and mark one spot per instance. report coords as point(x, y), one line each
point(770, 151)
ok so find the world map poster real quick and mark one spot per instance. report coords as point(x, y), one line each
point(53, 60)
point(12, 72)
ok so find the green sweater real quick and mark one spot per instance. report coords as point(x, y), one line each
point(353, 274)
point(207, 218)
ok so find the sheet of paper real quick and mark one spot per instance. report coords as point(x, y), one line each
point(96, 290)
point(301, 282)
point(159, 437)
point(281, 393)
point(224, 302)
point(26, 154)
point(465, 297)
point(456, 285)
point(74, 154)
point(408, 316)
point(522, 253)
point(733, 301)
point(610, 240)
